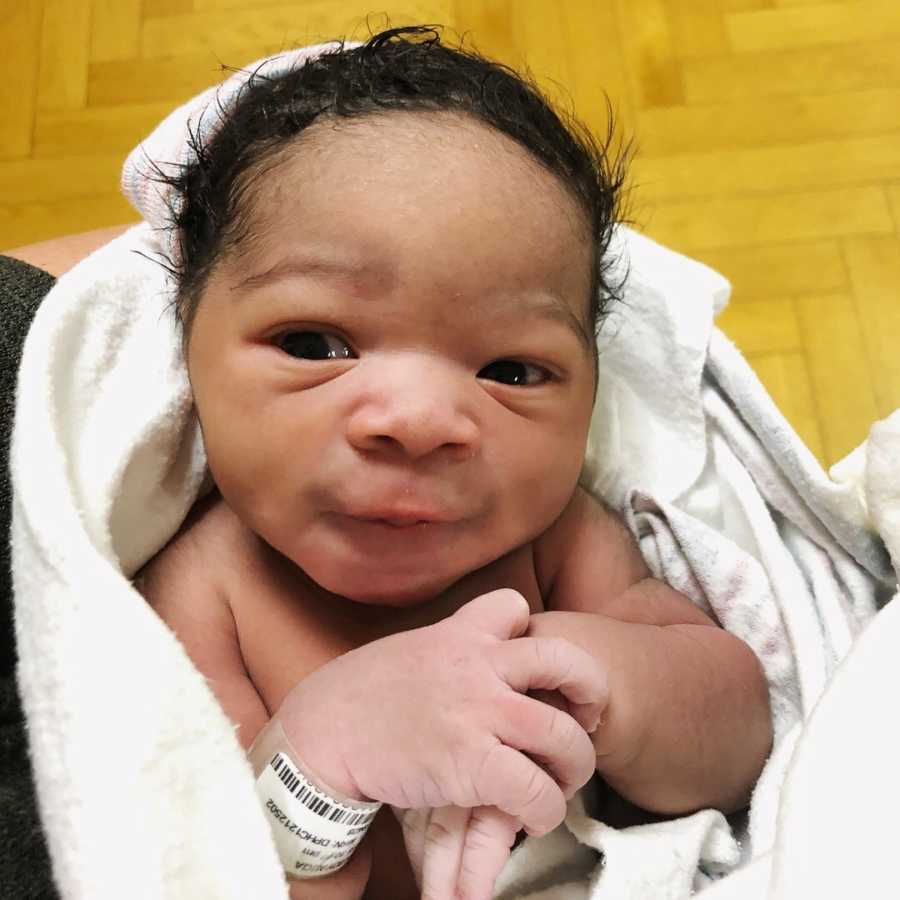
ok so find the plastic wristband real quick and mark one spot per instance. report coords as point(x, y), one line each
point(316, 829)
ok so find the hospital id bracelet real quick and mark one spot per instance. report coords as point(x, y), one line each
point(315, 829)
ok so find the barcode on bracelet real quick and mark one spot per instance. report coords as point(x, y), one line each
point(313, 800)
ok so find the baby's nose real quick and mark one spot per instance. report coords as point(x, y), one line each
point(415, 411)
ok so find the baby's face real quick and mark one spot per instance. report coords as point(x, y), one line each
point(395, 378)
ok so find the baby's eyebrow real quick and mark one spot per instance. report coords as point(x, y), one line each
point(307, 265)
point(546, 306)
point(551, 307)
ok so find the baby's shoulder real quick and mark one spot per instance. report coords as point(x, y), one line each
point(583, 515)
point(198, 556)
point(588, 540)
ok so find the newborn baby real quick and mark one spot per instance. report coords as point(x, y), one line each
point(392, 268)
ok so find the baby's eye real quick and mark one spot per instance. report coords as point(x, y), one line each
point(513, 372)
point(314, 345)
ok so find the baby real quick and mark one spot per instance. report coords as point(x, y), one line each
point(393, 261)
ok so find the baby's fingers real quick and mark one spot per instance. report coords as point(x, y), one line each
point(549, 736)
point(551, 663)
point(509, 780)
point(489, 837)
point(442, 851)
point(463, 851)
point(503, 613)
point(414, 823)
point(585, 714)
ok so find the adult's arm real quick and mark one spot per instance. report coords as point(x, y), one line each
point(58, 255)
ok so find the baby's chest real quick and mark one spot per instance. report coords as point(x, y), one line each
point(286, 632)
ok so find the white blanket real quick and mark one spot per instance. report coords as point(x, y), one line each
point(143, 788)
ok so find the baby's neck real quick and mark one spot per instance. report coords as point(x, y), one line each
point(369, 620)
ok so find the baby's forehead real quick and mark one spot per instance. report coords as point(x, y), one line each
point(429, 147)
point(433, 201)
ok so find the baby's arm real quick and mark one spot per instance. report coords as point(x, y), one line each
point(688, 724)
point(174, 585)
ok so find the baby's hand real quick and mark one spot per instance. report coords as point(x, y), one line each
point(457, 852)
point(438, 717)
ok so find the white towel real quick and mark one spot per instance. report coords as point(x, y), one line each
point(837, 809)
point(173, 143)
point(143, 788)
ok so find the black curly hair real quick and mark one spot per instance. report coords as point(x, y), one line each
point(407, 69)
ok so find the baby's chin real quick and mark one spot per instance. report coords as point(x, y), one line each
point(395, 592)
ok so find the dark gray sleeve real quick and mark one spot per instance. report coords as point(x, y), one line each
point(22, 287)
point(24, 861)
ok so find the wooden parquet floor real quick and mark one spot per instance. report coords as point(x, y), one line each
point(768, 136)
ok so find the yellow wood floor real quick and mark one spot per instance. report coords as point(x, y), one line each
point(768, 136)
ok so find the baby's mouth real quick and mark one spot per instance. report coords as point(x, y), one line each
point(402, 521)
point(396, 516)
point(410, 514)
